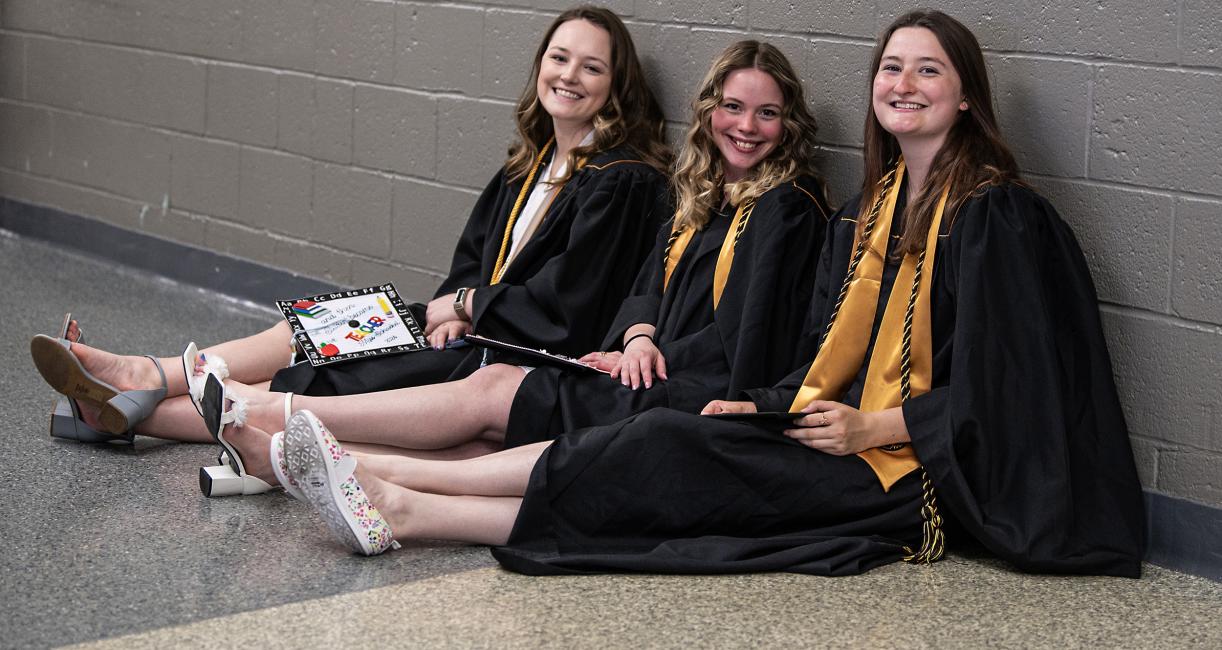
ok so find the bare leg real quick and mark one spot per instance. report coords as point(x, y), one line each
point(433, 417)
point(504, 473)
point(472, 449)
point(415, 514)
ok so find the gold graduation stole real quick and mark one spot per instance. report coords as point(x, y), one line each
point(679, 240)
point(901, 363)
point(498, 270)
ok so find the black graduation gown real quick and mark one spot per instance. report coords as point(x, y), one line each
point(560, 293)
point(1021, 434)
point(747, 342)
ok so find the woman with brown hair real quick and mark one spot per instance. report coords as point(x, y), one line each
point(540, 263)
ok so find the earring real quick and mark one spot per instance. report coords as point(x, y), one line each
point(963, 105)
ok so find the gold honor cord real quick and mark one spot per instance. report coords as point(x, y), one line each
point(499, 268)
point(679, 240)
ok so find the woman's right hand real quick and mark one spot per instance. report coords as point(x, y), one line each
point(640, 363)
point(448, 331)
point(605, 361)
point(724, 406)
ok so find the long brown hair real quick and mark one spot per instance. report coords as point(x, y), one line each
point(631, 116)
point(699, 175)
point(974, 154)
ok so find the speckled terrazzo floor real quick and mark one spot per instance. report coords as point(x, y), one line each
point(111, 545)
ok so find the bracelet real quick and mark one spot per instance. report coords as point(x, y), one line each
point(459, 308)
point(635, 337)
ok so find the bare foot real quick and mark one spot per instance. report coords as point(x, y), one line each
point(122, 372)
point(253, 445)
point(74, 331)
point(264, 409)
point(390, 499)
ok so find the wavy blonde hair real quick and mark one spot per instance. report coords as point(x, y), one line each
point(698, 176)
point(631, 117)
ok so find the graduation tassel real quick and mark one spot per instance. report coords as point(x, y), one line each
point(933, 540)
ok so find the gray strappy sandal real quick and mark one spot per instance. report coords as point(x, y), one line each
point(120, 410)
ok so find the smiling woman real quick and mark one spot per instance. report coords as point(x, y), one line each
point(549, 251)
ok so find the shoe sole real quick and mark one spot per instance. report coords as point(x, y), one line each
point(64, 373)
point(312, 468)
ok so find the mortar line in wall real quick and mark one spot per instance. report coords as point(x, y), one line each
point(1090, 120)
point(394, 175)
point(1117, 185)
point(1160, 444)
point(1203, 327)
point(1179, 32)
point(1175, 217)
point(832, 38)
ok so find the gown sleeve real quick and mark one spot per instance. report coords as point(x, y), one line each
point(645, 301)
point(1023, 436)
point(466, 267)
point(566, 305)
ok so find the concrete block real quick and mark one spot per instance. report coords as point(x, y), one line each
point(1125, 235)
point(241, 241)
point(1138, 31)
point(315, 262)
point(1157, 127)
point(706, 12)
point(1145, 455)
point(427, 222)
point(277, 33)
point(439, 48)
point(315, 117)
point(53, 73)
point(12, 66)
point(665, 53)
point(413, 284)
point(152, 89)
point(26, 134)
point(1191, 474)
point(395, 130)
point(836, 82)
point(355, 39)
point(351, 210)
point(472, 139)
point(841, 172)
point(204, 176)
point(1043, 109)
point(1196, 289)
point(848, 18)
point(1166, 374)
point(1199, 43)
point(274, 191)
point(74, 199)
point(211, 29)
point(242, 104)
point(176, 225)
point(126, 160)
point(510, 40)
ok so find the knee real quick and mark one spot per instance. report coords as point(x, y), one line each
point(495, 379)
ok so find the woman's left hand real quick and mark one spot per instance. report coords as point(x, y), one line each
point(834, 428)
point(440, 310)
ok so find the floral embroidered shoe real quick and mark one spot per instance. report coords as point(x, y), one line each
point(281, 469)
point(324, 473)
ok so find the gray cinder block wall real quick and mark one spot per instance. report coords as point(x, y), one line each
point(347, 139)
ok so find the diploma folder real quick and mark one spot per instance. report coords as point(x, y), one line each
point(531, 355)
point(357, 324)
point(772, 420)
